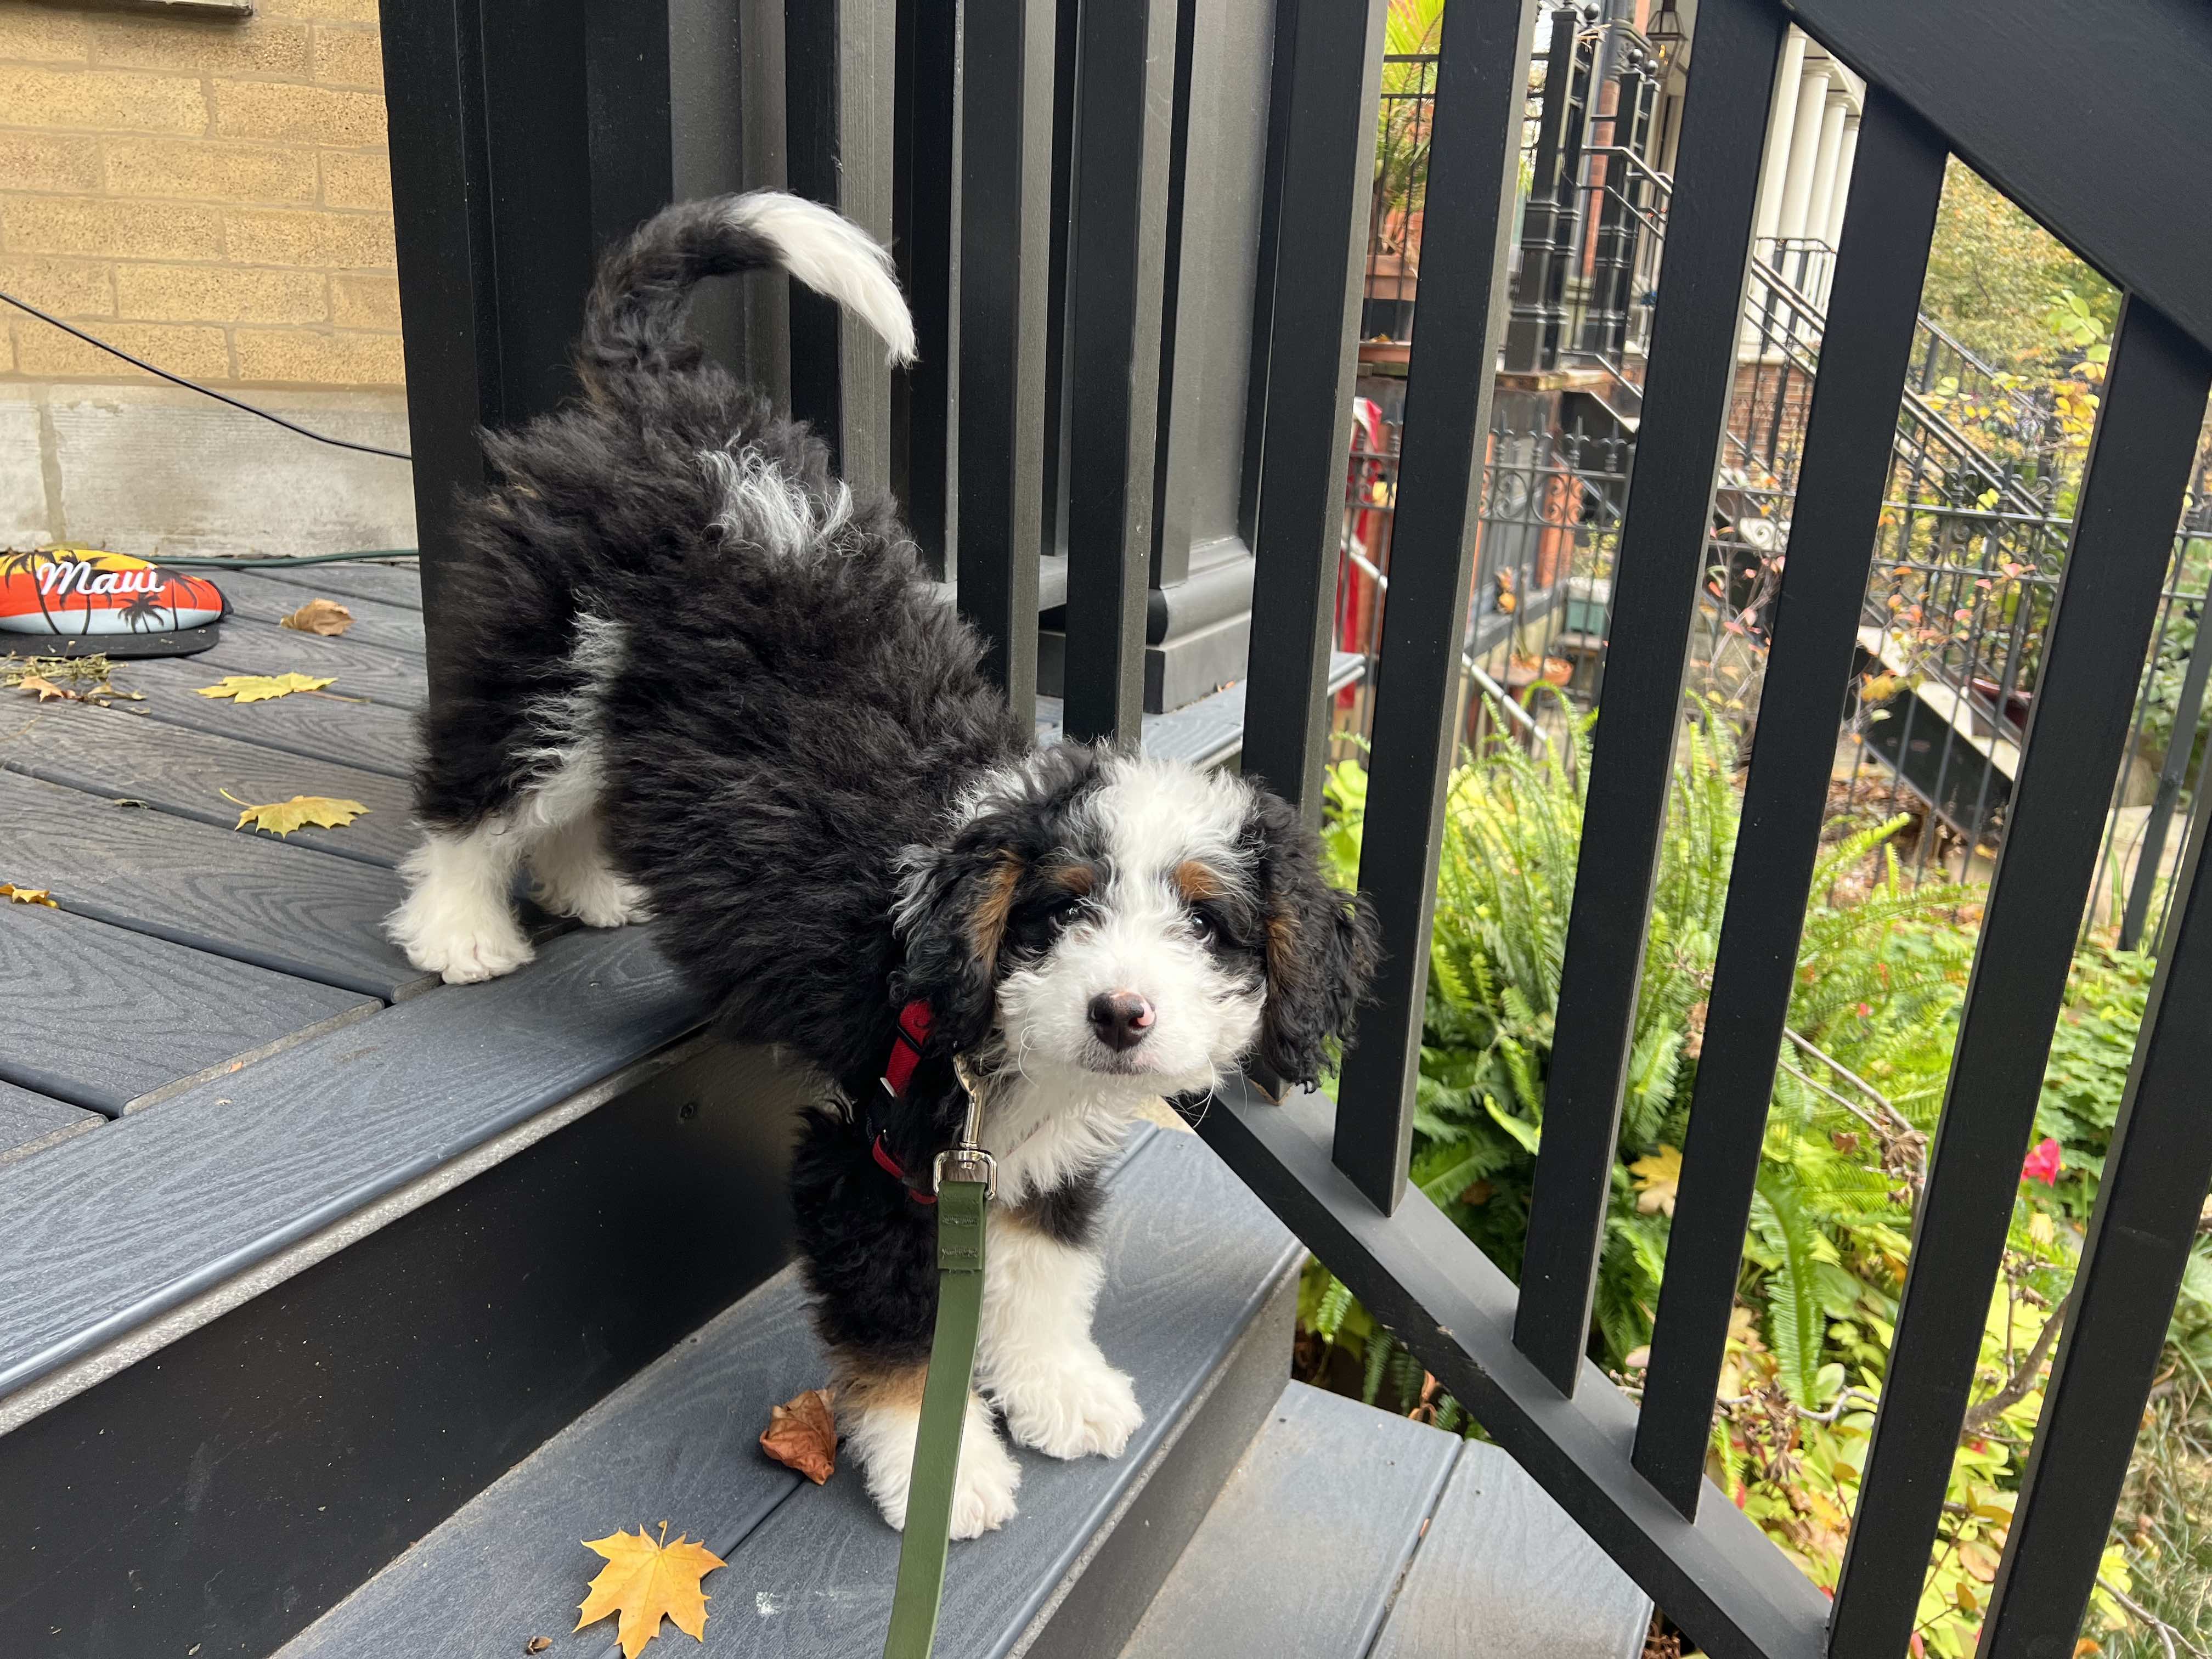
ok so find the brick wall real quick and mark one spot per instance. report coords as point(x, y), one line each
point(210, 194)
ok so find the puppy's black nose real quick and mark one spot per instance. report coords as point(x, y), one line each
point(1121, 1018)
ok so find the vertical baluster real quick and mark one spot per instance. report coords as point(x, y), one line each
point(1661, 559)
point(1125, 69)
point(1467, 231)
point(1848, 437)
point(1329, 87)
point(922, 240)
point(1006, 56)
point(2139, 1240)
point(2131, 500)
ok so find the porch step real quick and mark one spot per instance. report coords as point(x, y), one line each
point(1346, 1531)
point(1198, 1304)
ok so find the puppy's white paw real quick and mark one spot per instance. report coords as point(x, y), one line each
point(1083, 1410)
point(882, 1438)
point(601, 899)
point(464, 946)
point(983, 1493)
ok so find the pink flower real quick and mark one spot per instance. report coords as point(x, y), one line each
point(2043, 1163)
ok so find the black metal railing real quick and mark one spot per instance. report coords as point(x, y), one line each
point(1634, 1475)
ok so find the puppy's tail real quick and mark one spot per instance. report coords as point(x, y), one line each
point(634, 320)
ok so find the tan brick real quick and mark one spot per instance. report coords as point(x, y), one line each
point(71, 287)
point(347, 241)
point(129, 230)
point(199, 352)
point(353, 55)
point(198, 168)
point(111, 99)
point(35, 32)
point(365, 301)
point(39, 160)
point(361, 179)
point(220, 294)
point(319, 115)
point(319, 359)
point(321, 11)
point(254, 48)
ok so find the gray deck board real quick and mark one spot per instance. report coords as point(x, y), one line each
point(106, 752)
point(1304, 1549)
point(245, 646)
point(394, 626)
point(249, 897)
point(1503, 1572)
point(31, 1122)
point(109, 1229)
point(329, 724)
point(100, 1017)
point(393, 584)
point(1190, 1258)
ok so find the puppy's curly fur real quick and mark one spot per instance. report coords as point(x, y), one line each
point(703, 678)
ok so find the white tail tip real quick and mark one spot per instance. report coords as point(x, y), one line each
point(834, 258)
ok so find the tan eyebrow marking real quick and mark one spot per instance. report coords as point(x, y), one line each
point(1077, 879)
point(1196, 882)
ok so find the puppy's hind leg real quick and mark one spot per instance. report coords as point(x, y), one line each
point(575, 877)
point(457, 920)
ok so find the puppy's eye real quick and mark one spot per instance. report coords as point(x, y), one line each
point(1062, 912)
point(1205, 927)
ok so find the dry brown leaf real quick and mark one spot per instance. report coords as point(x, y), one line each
point(643, 1580)
point(326, 616)
point(46, 688)
point(802, 1434)
point(538, 1645)
point(284, 817)
point(16, 894)
point(260, 688)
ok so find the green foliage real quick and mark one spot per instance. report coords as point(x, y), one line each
point(1873, 1013)
point(1992, 271)
point(1879, 974)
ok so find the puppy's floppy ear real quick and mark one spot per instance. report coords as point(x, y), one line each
point(952, 916)
point(1322, 945)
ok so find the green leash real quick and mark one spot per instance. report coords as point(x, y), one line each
point(966, 1177)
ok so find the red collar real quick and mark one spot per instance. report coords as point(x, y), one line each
point(914, 1022)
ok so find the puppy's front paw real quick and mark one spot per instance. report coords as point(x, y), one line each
point(463, 947)
point(1085, 1410)
point(984, 1490)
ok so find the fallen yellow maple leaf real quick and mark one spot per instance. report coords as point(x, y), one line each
point(260, 688)
point(644, 1580)
point(27, 894)
point(324, 617)
point(284, 817)
point(802, 1435)
point(1656, 1178)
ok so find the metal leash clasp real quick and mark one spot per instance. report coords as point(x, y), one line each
point(965, 1159)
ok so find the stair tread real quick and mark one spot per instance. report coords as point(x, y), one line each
point(1347, 1531)
point(1191, 1257)
point(1503, 1572)
point(1332, 1497)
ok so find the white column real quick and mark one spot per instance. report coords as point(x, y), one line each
point(1781, 119)
point(1824, 167)
point(1804, 148)
point(1838, 198)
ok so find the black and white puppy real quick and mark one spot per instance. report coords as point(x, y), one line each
point(702, 678)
